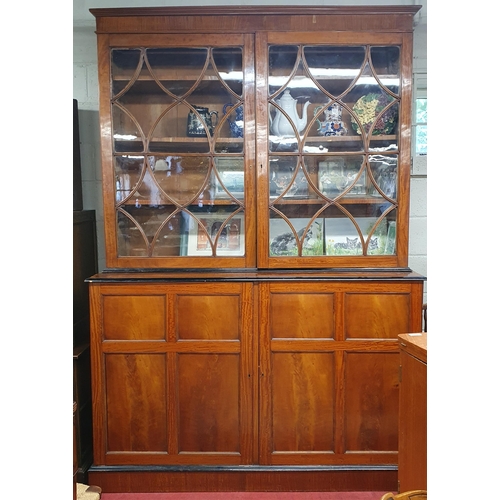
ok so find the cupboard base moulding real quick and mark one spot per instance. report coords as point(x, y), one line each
point(135, 479)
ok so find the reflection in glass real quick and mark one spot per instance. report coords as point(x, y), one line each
point(384, 171)
point(333, 163)
point(177, 117)
point(334, 68)
point(146, 231)
point(160, 97)
point(339, 174)
point(229, 64)
point(125, 67)
point(128, 171)
point(229, 177)
point(282, 60)
point(287, 178)
point(184, 179)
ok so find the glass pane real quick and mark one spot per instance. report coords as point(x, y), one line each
point(128, 171)
point(163, 96)
point(287, 179)
point(384, 171)
point(421, 110)
point(333, 143)
point(127, 133)
point(339, 175)
point(334, 69)
point(229, 178)
point(344, 236)
point(149, 231)
point(295, 236)
point(218, 232)
point(229, 64)
point(184, 180)
point(421, 139)
point(178, 139)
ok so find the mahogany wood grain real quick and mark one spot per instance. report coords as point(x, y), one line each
point(250, 19)
point(412, 474)
point(371, 403)
point(208, 386)
point(250, 29)
point(172, 373)
point(136, 403)
point(127, 480)
point(324, 398)
point(318, 350)
point(253, 372)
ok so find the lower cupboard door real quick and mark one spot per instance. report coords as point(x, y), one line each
point(329, 382)
point(171, 368)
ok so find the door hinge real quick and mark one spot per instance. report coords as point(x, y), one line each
point(400, 373)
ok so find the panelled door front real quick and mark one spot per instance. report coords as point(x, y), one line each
point(329, 371)
point(171, 378)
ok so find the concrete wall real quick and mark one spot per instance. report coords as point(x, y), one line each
point(85, 90)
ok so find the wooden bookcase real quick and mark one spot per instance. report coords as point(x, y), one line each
point(244, 333)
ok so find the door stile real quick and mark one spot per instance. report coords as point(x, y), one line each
point(264, 374)
point(262, 144)
point(339, 385)
point(250, 150)
point(98, 377)
point(172, 404)
point(246, 379)
point(255, 370)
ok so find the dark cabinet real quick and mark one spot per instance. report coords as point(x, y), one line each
point(84, 266)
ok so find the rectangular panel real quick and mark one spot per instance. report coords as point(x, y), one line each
point(208, 317)
point(371, 401)
point(209, 402)
point(412, 470)
point(303, 402)
point(136, 396)
point(377, 315)
point(134, 317)
point(302, 315)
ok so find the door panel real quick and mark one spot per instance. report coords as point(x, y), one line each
point(371, 401)
point(329, 370)
point(136, 400)
point(376, 315)
point(208, 403)
point(303, 401)
point(172, 373)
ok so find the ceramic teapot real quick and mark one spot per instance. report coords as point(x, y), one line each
point(195, 127)
point(280, 124)
point(236, 126)
point(333, 124)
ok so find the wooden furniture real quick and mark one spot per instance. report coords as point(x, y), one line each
point(75, 457)
point(412, 472)
point(244, 333)
point(84, 266)
point(407, 495)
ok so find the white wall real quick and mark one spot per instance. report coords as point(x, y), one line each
point(85, 90)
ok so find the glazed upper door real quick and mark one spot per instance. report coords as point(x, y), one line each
point(177, 114)
point(333, 175)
